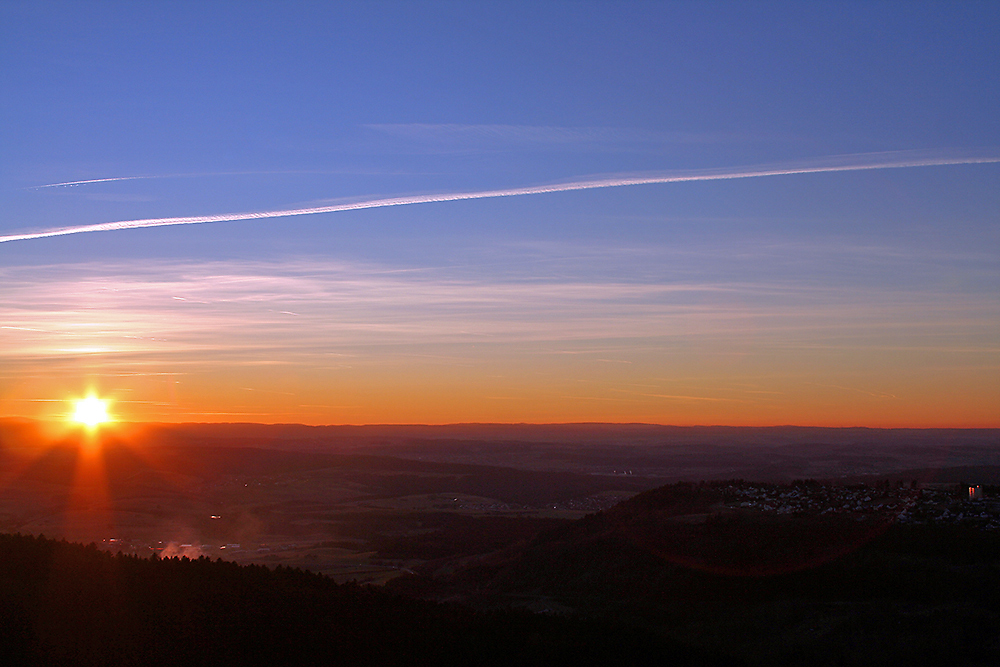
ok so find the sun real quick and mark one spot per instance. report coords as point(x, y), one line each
point(91, 411)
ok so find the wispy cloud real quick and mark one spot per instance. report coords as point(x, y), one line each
point(679, 397)
point(191, 338)
point(297, 311)
point(219, 174)
point(487, 136)
point(857, 162)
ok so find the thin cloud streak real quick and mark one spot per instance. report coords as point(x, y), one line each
point(205, 174)
point(239, 308)
point(857, 162)
point(547, 135)
point(93, 180)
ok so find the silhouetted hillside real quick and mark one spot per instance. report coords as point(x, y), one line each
point(820, 589)
point(66, 604)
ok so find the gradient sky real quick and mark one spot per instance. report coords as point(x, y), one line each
point(840, 296)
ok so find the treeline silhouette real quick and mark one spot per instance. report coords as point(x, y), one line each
point(69, 604)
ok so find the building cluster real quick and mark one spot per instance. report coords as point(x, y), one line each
point(813, 498)
point(906, 503)
point(596, 503)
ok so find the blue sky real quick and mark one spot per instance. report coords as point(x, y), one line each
point(866, 297)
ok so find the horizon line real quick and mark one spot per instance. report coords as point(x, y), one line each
point(113, 423)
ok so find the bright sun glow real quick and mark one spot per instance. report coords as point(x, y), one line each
point(91, 411)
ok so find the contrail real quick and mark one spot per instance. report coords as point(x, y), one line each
point(857, 162)
point(93, 180)
point(67, 184)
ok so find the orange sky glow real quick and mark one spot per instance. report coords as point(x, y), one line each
point(255, 344)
